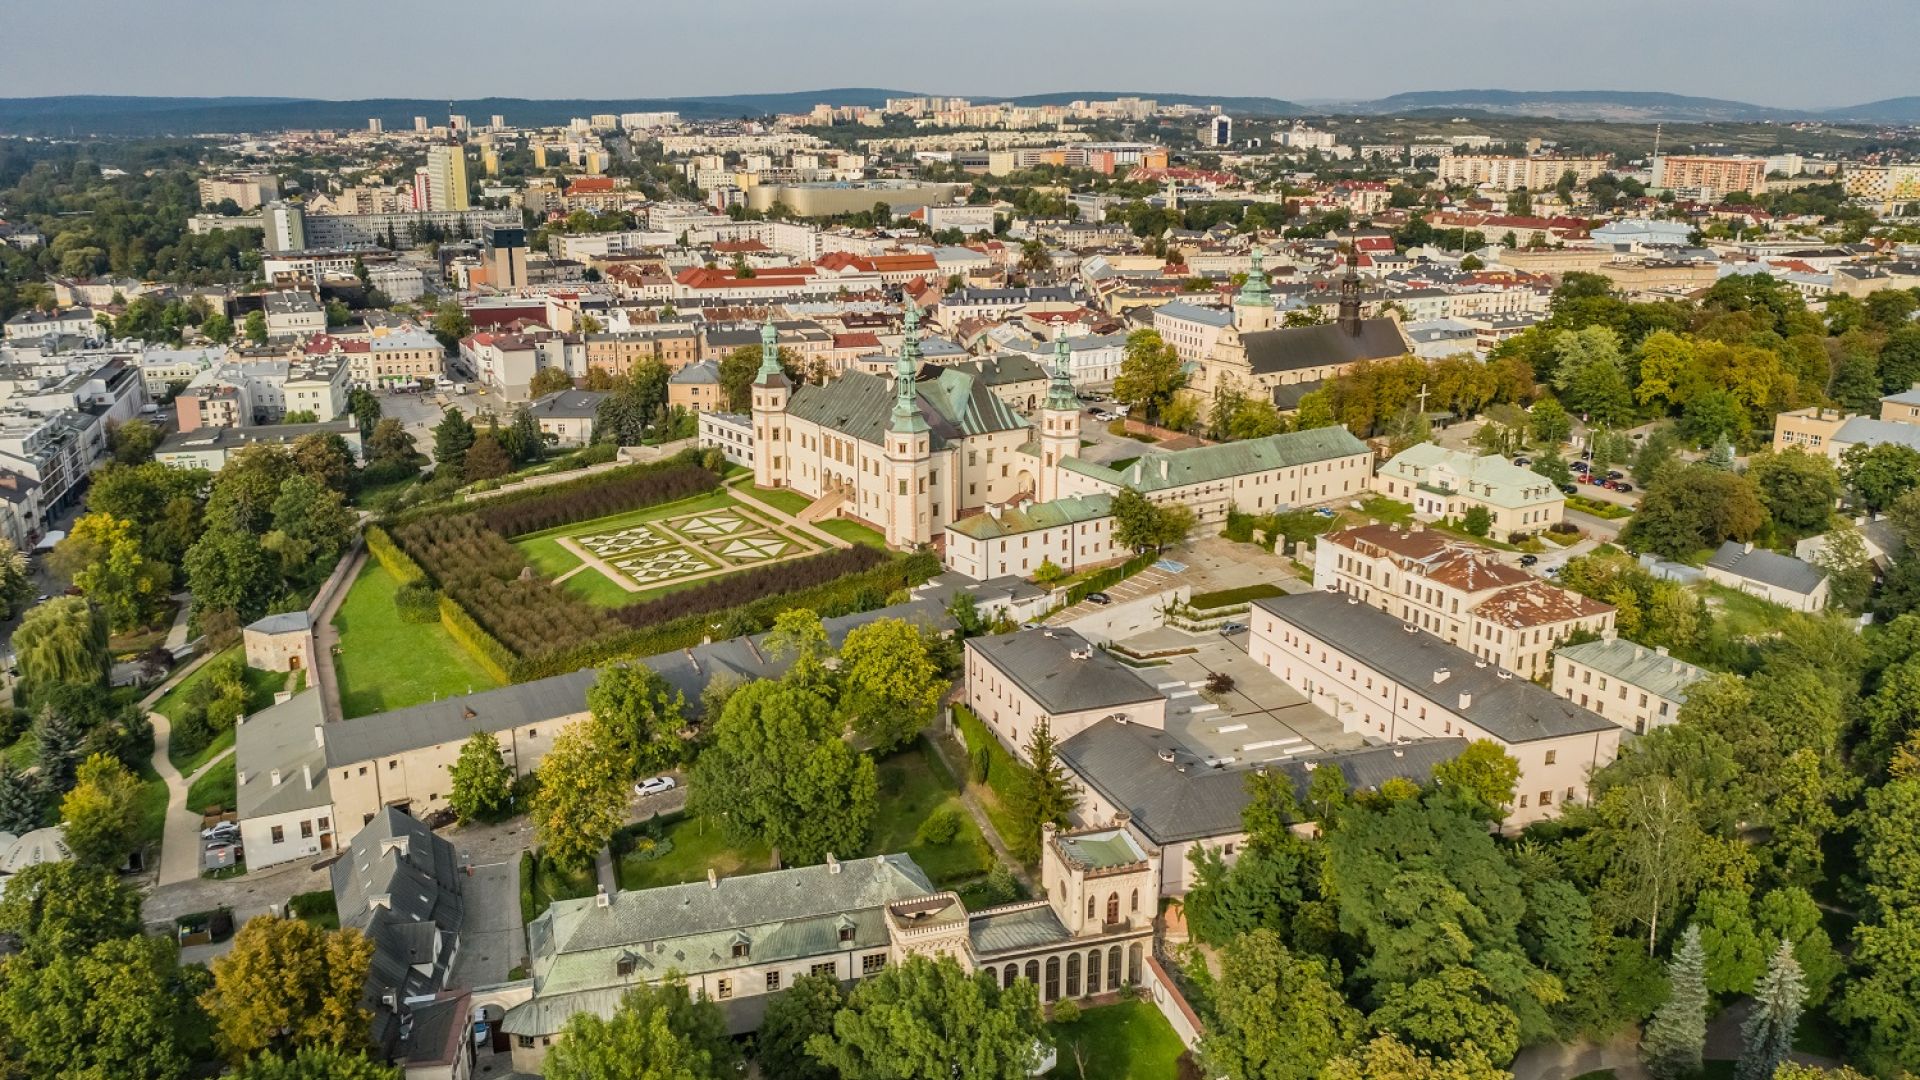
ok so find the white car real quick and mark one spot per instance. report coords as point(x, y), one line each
point(654, 785)
point(225, 831)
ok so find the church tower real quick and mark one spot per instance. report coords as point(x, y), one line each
point(771, 391)
point(909, 449)
point(1253, 308)
point(1059, 422)
point(1350, 291)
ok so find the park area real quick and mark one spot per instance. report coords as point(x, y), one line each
point(386, 662)
point(634, 556)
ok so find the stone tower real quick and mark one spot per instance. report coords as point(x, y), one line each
point(1059, 421)
point(909, 449)
point(1253, 308)
point(771, 392)
point(1350, 290)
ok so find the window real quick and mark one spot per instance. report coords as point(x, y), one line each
point(526, 1041)
point(1090, 909)
point(846, 934)
point(1552, 755)
point(306, 830)
point(1546, 798)
point(872, 963)
point(773, 981)
point(740, 949)
point(1113, 907)
point(624, 966)
point(824, 969)
point(724, 988)
point(1136, 900)
point(279, 834)
point(392, 764)
point(533, 733)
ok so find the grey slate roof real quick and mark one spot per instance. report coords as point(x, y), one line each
point(1014, 928)
point(1204, 464)
point(281, 737)
point(860, 406)
point(1767, 567)
point(568, 405)
point(399, 884)
point(1179, 309)
point(1290, 347)
point(284, 623)
point(1512, 709)
point(998, 370)
point(1041, 663)
point(1873, 432)
point(1123, 763)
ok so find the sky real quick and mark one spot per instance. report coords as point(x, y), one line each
point(1783, 53)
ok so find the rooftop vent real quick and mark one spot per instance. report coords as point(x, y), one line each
point(833, 864)
point(1082, 654)
point(1466, 700)
point(1441, 675)
point(1166, 756)
point(600, 897)
point(1504, 673)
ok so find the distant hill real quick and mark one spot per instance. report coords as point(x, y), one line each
point(1620, 105)
point(1900, 110)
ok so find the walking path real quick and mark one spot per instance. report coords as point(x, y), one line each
point(945, 745)
point(782, 516)
point(180, 839)
point(326, 639)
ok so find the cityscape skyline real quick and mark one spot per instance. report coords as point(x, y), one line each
point(1394, 47)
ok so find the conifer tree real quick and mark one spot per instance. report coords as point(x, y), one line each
point(1677, 1034)
point(1767, 1033)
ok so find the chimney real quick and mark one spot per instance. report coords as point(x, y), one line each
point(275, 774)
point(1609, 634)
point(1746, 548)
point(1466, 699)
point(1441, 675)
point(319, 736)
point(713, 879)
point(600, 898)
point(308, 769)
point(1660, 650)
point(833, 864)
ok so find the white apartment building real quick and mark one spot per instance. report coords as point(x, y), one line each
point(1634, 686)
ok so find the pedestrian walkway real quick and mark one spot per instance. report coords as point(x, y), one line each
point(791, 522)
point(326, 639)
point(180, 839)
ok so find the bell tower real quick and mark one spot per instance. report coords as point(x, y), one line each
point(1253, 308)
point(771, 391)
point(1350, 290)
point(1059, 421)
point(909, 449)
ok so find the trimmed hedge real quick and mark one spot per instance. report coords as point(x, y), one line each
point(736, 590)
point(396, 562)
point(1112, 575)
point(565, 504)
point(485, 648)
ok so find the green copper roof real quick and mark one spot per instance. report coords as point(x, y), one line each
point(1060, 387)
point(770, 368)
point(1203, 464)
point(1102, 850)
point(1047, 515)
point(1254, 293)
point(906, 416)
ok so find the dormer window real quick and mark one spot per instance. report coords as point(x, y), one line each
point(625, 966)
point(740, 949)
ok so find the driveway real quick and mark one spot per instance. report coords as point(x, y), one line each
point(492, 941)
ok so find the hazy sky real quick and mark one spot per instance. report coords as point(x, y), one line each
point(1788, 53)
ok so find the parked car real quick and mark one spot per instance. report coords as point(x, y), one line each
point(1616, 474)
point(1581, 466)
point(1523, 461)
point(1099, 598)
point(1569, 489)
point(225, 831)
point(1325, 511)
point(1621, 486)
point(1597, 481)
point(1229, 629)
point(1103, 416)
point(1529, 559)
point(654, 785)
point(1554, 571)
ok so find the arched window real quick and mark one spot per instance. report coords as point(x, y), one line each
point(1073, 975)
point(1007, 976)
point(1113, 968)
point(1052, 990)
point(1089, 909)
point(1133, 964)
point(1033, 972)
point(1136, 901)
point(1113, 907)
point(1093, 972)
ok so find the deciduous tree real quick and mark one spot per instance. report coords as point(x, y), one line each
point(794, 1017)
point(111, 1010)
point(927, 1019)
point(66, 908)
point(62, 642)
point(315, 1063)
point(287, 983)
point(1150, 373)
point(99, 812)
point(641, 717)
point(582, 797)
point(1279, 1014)
point(482, 783)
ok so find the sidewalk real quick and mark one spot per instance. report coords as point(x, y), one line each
point(180, 842)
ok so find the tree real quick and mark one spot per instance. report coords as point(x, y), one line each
point(99, 812)
point(1791, 915)
point(450, 324)
point(62, 642)
point(315, 1063)
point(522, 437)
point(1387, 1058)
point(390, 446)
point(16, 583)
point(1150, 373)
point(228, 571)
point(104, 559)
point(1878, 475)
point(1693, 507)
point(287, 983)
point(365, 409)
point(20, 801)
point(1449, 1012)
point(326, 458)
point(66, 908)
point(927, 1019)
point(582, 797)
point(1677, 1034)
point(1279, 1015)
point(56, 744)
point(889, 682)
point(1142, 525)
point(110, 1010)
point(217, 328)
point(639, 716)
point(1550, 422)
point(656, 1033)
point(1046, 795)
point(1735, 956)
point(1484, 773)
point(1797, 488)
point(482, 783)
point(794, 1017)
point(255, 327)
point(134, 442)
point(1478, 520)
point(1767, 1034)
point(548, 380)
point(1883, 998)
point(486, 459)
point(453, 436)
point(777, 770)
point(311, 528)
point(1849, 568)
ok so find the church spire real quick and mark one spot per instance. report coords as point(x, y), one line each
point(1254, 292)
point(1350, 289)
point(1060, 388)
point(906, 410)
point(769, 355)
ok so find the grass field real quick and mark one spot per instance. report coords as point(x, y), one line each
point(914, 783)
point(149, 807)
point(385, 663)
point(1127, 1041)
point(215, 788)
point(551, 882)
point(848, 529)
point(783, 499)
point(698, 845)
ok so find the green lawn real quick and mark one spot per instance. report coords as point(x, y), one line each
point(214, 788)
point(848, 529)
point(698, 846)
point(1126, 1041)
point(150, 807)
point(1003, 774)
point(1387, 511)
point(785, 499)
point(553, 882)
point(385, 663)
point(261, 686)
point(914, 783)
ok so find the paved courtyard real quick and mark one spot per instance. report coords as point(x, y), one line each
point(492, 942)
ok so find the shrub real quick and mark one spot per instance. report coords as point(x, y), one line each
point(977, 764)
point(526, 887)
point(737, 590)
point(307, 905)
point(940, 827)
point(417, 603)
point(597, 496)
point(1066, 1011)
point(396, 562)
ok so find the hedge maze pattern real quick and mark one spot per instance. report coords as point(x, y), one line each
point(672, 549)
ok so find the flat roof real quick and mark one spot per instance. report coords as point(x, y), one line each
point(1044, 663)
